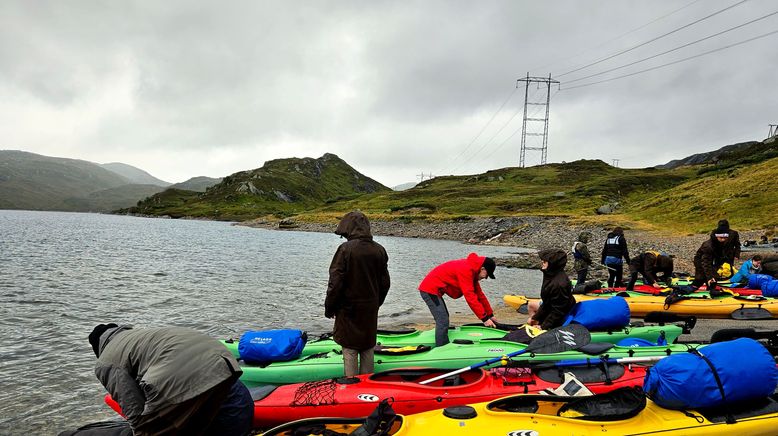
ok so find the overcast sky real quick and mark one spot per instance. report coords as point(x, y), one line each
point(395, 88)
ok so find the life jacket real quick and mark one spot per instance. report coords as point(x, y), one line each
point(725, 270)
point(576, 254)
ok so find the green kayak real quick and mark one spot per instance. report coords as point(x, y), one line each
point(476, 333)
point(451, 356)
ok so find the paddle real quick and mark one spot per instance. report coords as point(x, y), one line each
point(556, 340)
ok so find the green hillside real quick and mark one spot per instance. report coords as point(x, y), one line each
point(35, 182)
point(280, 187)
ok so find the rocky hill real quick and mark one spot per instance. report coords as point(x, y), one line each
point(281, 186)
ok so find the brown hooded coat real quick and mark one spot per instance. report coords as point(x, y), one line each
point(556, 292)
point(359, 282)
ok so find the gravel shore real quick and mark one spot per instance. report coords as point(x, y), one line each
point(530, 232)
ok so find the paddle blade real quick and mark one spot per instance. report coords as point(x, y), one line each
point(565, 338)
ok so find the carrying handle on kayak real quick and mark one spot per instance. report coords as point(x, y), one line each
point(565, 338)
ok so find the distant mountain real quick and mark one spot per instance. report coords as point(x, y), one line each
point(134, 175)
point(280, 186)
point(404, 186)
point(35, 182)
point(743, 152)
point(197, 184)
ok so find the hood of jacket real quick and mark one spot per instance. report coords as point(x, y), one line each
point(584, 237)
point(108, 335)
point(556, 258)
point(354, 225)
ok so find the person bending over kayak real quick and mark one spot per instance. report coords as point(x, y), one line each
point(650, 265)
point(749, 267)
point(556, 292)
point(172, 380)
point(359, 282)
point(456, 278)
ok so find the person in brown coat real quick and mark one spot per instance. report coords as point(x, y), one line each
point(359, 282)
point(731, 247)
point(556, 292)
point(710, 256)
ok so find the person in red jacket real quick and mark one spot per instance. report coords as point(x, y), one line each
point(456, 278)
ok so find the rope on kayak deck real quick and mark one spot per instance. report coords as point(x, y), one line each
point(315, 393)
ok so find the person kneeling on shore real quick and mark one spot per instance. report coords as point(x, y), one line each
point(172, 380)
point(652, 265)
point(456, 278)
point(556, 292)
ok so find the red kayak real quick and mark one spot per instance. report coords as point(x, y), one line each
point(650, 290)
point(349, 397)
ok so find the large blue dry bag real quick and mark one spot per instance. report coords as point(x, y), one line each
point(756, 281)
point(271, 345)
point(600, 314)
point(686, 381)
point(770, 289)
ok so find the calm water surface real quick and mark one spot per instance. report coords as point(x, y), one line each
point(62, 273)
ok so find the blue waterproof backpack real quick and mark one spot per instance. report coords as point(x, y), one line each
point(717, 374)
point(640, 342)
point(756, 281)
point(271, 345)
point(770, 289)
point(600, 314)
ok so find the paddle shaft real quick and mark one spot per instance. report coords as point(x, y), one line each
point(477, 365)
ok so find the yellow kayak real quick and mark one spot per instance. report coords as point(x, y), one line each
point(700, 305)
point(624, 411)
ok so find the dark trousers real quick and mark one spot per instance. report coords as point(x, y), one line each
point(615, 275)
point(581, 279)
point(226, 409)
point(440, 314)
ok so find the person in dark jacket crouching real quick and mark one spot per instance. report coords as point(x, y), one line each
point(653, 266)
point(172, 381)
point(359, 282)
point(556, 292)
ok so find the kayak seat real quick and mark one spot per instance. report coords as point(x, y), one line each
point(463, 341)
point(584, 374)
point(517, 404)
point(455, 380)
point(617, 405)
point(742, 410)
point(260, 392)
point(595, 348)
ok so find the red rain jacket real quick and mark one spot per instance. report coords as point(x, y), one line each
point(460, 277)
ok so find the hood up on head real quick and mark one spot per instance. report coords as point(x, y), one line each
point(556, 258)
point(354, 225)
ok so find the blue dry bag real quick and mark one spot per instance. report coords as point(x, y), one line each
point(271, 345)
point(770, 289)
point(600, 314)
point(687, 381)
point(756, 281)
point(640, 342)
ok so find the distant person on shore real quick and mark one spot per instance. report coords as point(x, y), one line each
point(653, 266)
point(731, 247)
point(358, 284)
point(614, 250)
point(457, 278)
point(556, 292)
point(710, 257)
point(583, 260)
point(172, 380)
point(749, 267)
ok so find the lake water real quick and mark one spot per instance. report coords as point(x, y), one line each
point(63, 273)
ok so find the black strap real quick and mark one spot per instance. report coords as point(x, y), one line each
point(730, 418)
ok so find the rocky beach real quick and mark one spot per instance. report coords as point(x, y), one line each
point(535, 232)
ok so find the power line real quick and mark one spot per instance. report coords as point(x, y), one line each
point(674, 49)
point(654, 39)
point(675, 62)
point(581, 53)
point(481, 131)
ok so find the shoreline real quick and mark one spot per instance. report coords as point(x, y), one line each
point(533, 232)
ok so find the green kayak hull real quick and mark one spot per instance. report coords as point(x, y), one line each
point(450, 356)
point(477, 333)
